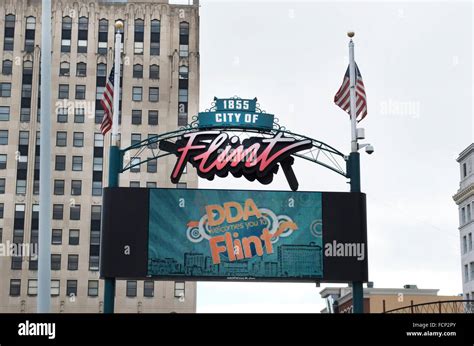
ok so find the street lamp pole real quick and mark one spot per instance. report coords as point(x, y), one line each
point(354, 166)
point(44, 238)
point(114, 155)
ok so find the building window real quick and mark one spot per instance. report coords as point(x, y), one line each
point(79, 115)
point(59, 187)
point(30, 34)
point(72, 262)
point(155, 37)
point(63, 91)
point(136, 138)
point(21, 187)
point(183, 72)
point(98, 140)
point(64, 69)
point(138, 37)
point(137, 94)
point(152, 117)
point(96, 211)
point(62, 115)
point(58, 210)
point(82, 35)
point(16, 263)
point(75, 212)
point(55, 261)
point(76, 187)
point(135, 161)
point(470, 241)
point(148, 288)
point(71, 288)
point(56, 236)
point(93, 288)
point(3, 137)
point(78, 139)
point(468, 212)
point(32, 287)
point(183, 39)
point(24, 138)
point(183, 95)
point(2, 208)
point(181, 185)
point(4, 113)
point(3, 161)
point(73, 237)
point(81, 69)
point(60, 163)
point(150, 184)
point(55, 287)
point(154, 94)
point(137, 71)
point(66, 35)
point(77, 163)
point(99, 115)
point(93, 262)
point(80, 92)
point(9, 34)
point(154, 72)
point(2, 186)
point(15, 287)
point(25, 115)
point(464, 170)
point(182, 119)
point(97, 164)
point(463, 215)
point(136, 117)
point(26, 91)
point(7, 67)
point(179, 289)
point(472, 270)
point(96, 188)
point(5, 89)
point(103, 36)
point(131, 288)
point(151, 166)
point(466, 273)
point(61, 139)
point(18, 236)
point(101, 70)
point(134, 184)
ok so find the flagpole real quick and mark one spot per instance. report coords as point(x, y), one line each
point(354, 165)
point(44, 238)
point(352, 91)
point(114, 154)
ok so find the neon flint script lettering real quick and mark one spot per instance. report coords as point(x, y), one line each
point(216, 153)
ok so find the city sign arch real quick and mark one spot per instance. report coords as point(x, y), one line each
point(234, 235)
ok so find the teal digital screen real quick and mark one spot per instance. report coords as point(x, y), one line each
point(226, 234)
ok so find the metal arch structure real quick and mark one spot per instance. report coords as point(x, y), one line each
point(320, 152)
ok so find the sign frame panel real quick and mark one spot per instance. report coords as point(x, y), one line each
point(126, 226)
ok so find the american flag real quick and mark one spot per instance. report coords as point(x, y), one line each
point(107, 103)
point(343, 100)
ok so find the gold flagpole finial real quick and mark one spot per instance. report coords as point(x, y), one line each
point(119, 25)
point(351, 34)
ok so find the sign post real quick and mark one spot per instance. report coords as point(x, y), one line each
point(114, 157)
point(354, 166)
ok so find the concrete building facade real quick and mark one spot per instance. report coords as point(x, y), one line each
point(464, 198)
point(160, 89)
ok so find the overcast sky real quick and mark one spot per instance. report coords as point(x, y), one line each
point(416, 62)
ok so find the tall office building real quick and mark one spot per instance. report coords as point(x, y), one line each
point(160, 88)
point(464, 198)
